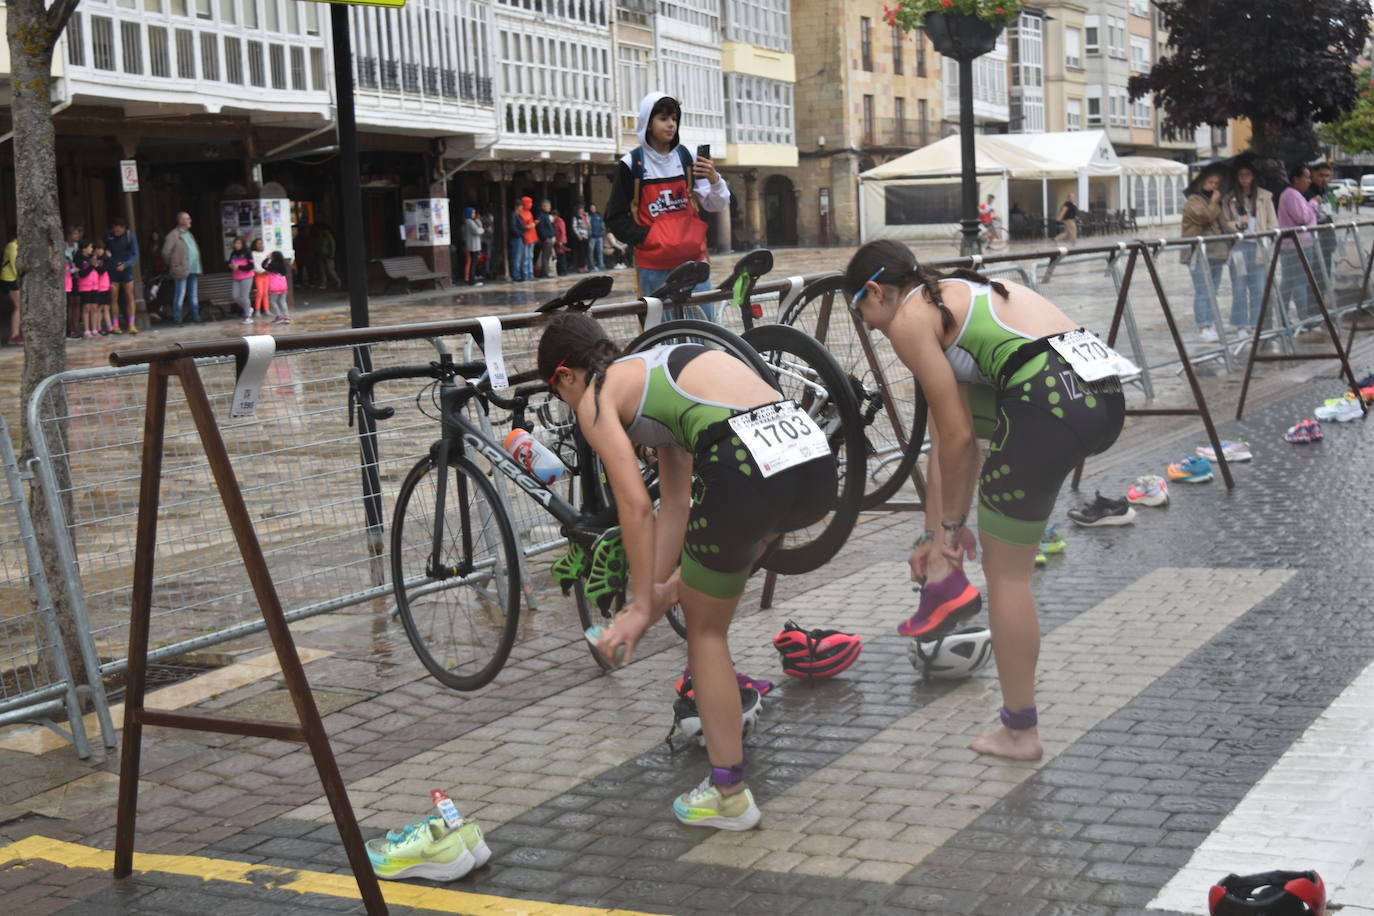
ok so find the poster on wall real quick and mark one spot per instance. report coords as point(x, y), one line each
point(250, 220)
point(426, 222)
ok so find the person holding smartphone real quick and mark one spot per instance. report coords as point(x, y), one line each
point(659, 193)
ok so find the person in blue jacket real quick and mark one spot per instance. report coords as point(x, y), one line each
point(597, 253)
point(121, 249)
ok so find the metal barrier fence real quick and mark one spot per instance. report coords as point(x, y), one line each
point(300, 465)
point(36, 683)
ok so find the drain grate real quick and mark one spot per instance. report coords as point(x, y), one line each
point(159, 674)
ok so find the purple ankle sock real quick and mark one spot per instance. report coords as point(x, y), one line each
point(1020, 720)
point(724, 777)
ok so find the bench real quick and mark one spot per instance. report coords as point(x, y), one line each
point(215, 293)
point(410, 270)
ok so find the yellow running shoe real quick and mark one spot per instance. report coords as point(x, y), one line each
point(424, 849)
point(705, 806)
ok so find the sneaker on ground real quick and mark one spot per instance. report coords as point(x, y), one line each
point(1191, 469)
point(1304, 432)
point(1208, 334)
point(942, 604)
point(1234, 451)
point(424, 849)
point(1343, 411)
point(1150, 490)
point(705, 806)
point(1103, 511)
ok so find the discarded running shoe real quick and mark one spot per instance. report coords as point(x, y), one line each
point(687, 720)
point(1191, 469)
point(942, 605)
point(1304, 432)
point(1051, 542)
point(1234, 451)
point(816, 653)
point(1150, 490)
point(1103, 511)
point(442, 847)
point(1342, 411)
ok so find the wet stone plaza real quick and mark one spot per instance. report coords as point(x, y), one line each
point(1206, 697)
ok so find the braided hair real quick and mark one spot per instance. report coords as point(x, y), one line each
point(576, 341)
point(901, 269)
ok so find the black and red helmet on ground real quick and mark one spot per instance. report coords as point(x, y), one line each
point(815, 653)
point(1273, 893)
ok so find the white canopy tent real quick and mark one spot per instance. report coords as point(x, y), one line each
point(893, 196)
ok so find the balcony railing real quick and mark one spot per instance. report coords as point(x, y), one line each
point(904, 133)
point(414, 79)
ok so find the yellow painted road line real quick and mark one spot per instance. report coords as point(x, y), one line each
point(74, 855)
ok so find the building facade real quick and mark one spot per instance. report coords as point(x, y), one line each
point(866, 92)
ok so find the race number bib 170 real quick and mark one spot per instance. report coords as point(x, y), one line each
point(1091, 359)
point(779, 436)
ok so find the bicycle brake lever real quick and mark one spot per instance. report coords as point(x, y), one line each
point(352, 404)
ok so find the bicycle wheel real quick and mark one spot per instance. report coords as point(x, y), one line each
point(462, 627)
point(688, 330)
point(891, 406)
point(808, 374)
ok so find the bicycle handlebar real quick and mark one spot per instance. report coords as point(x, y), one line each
point(360, 385)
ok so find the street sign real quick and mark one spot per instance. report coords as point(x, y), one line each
point(395, 3)
point(128, 171)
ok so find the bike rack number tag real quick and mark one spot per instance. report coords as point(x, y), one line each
point(252, 372)
point(491, 350)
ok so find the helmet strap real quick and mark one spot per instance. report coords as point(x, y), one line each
point(1021, 719)
point(724, 777)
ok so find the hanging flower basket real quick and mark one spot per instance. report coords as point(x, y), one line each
point(959, 29)
point(961, 37)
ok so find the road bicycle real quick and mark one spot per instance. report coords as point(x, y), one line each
point(891, 406)
point(991, 238)
point(454, 555)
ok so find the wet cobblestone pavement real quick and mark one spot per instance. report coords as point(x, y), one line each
point(1192, 662)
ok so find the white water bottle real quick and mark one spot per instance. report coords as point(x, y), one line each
point(534, 456)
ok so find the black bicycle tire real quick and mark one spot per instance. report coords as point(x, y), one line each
point(886, 487)
point(797, 558)
point(508, 547)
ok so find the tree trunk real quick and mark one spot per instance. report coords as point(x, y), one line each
point(33, 31)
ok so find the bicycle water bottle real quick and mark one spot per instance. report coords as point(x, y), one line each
point(534, 456)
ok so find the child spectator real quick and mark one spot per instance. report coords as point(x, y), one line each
point(276, 287)
point(260, 284)
point(87, 287)
point(241, 272)
point(102, 264)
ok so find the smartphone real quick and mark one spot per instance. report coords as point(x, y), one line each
point(704, 151)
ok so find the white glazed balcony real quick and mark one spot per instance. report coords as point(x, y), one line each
point(264, 58)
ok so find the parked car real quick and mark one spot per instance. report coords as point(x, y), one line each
point(1367, 186)
point(1347, 192)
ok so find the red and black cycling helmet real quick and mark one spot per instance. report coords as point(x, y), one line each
point(815, 653)
point(1273, 893)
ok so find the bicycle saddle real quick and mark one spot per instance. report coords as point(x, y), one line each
point(756, 263)
point(581, 295)
point(678, 285)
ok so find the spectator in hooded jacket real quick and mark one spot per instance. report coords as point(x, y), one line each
point(530, 235)
point(655, 203)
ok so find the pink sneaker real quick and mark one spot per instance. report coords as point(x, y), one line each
point(943, 604)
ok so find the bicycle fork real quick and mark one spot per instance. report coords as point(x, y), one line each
point(436, 568)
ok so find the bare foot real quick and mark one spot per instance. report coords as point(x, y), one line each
point(1014, 745)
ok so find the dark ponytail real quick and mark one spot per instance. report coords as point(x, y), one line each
point(577, 341)
point(901, 269)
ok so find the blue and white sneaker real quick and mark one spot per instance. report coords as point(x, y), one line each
point(1191, 469)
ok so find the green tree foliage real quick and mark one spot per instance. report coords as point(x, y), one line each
point(1354, 132)
point(1280, 64)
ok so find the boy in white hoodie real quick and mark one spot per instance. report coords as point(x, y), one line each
point(654, 206)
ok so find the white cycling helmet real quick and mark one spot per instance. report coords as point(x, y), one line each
point(953, 657)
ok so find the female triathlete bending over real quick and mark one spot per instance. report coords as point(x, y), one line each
point(965, 330)
point(697, 407)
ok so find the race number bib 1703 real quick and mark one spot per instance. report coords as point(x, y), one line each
point(1091, 359)
point(779, 436)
